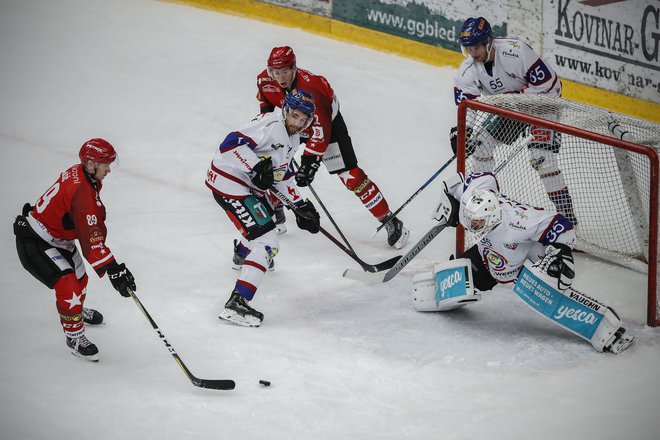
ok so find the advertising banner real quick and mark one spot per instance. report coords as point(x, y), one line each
point(434, 22)
point(609, 44)
point(318, 7)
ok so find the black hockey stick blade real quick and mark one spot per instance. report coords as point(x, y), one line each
point(214, 384)
point(380, 266)
point(400, 263)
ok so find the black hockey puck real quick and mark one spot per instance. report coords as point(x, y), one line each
point(265, 383)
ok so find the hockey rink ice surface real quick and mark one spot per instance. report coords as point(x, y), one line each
point(165, 83)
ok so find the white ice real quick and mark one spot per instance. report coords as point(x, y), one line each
point(165, 83)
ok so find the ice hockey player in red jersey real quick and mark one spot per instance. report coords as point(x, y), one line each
point(495, 66)
point(71, 209)
point(328, 139)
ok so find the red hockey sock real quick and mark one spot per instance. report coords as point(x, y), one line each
point(70, 295)
point(357, 181)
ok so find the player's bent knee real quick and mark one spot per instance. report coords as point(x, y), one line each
point(447, 287)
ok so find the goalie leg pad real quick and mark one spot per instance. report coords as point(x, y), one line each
point(570, 309)
point(448, 287)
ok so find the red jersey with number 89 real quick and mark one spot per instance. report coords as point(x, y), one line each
point(72, 209)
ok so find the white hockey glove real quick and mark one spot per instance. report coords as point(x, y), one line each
point(448, 206)
point(558, 263)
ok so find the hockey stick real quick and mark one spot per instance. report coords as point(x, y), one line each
point(214, 384)
point(403, 261)
point(365, 266)
point(309, 185)
point(518, 146)
point(431, 179)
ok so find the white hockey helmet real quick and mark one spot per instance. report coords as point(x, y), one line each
point(482, 213)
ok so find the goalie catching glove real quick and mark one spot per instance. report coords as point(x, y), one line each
point(309, 165)
point(307, 217)
point(448, 207)
point(558, 263)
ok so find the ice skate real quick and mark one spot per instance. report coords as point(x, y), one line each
point(238, 311)
point(397, 234)
point(280, 220)
point(239, 259)
point(620, 342)
point(92, 317)
point(83, 348)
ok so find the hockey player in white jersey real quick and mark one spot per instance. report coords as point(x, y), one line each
point(247, 163)
point(517, 244)
point(495, 66)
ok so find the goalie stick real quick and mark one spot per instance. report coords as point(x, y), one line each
point(401, 263)
point(214, 384)
point(365, 266)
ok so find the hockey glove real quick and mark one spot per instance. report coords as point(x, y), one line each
point(309, 165)
point(263, 173)
point(469, 144)
point(121, 278)
point(558, 263)
point(307, 217)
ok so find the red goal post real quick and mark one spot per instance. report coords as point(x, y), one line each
point(605, 164)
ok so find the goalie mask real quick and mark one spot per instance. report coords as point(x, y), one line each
point(482, 213)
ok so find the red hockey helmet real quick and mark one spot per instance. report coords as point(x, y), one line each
point(97, 150)
point(281, 57)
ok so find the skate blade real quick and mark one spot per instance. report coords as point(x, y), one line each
point(92, 358)
point(403, 240)
point(623, 343)
point(245, 321)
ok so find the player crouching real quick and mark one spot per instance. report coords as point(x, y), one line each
point(517, 244)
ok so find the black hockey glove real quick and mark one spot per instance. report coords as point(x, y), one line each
point(469, 144)
point(263, 173)
point(309, 165)
point(121, 278)
point(307, 217)
point(558, 263)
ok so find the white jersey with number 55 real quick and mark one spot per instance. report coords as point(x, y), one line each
point(515, 69)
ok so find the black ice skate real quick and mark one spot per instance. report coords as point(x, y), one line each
point(280, 220)
point(238, 260)
point(83, 348)
point(397, 235)
point(238, 311)
point(92, 317)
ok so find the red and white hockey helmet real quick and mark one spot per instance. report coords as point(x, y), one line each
point(281, 57)
point(482, 213)
point(97, 150)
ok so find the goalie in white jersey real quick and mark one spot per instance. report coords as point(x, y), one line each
point(246, 165)
point(529, 248)
point(495, 66)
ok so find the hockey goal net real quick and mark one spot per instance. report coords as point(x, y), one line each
point(598, 168)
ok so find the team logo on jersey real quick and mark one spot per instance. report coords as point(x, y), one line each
point(511, 246)
point(269, 88)
point(510, 53)
point(496, 261)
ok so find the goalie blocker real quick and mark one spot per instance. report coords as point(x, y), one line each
point(448, 287)
point(572, 310)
